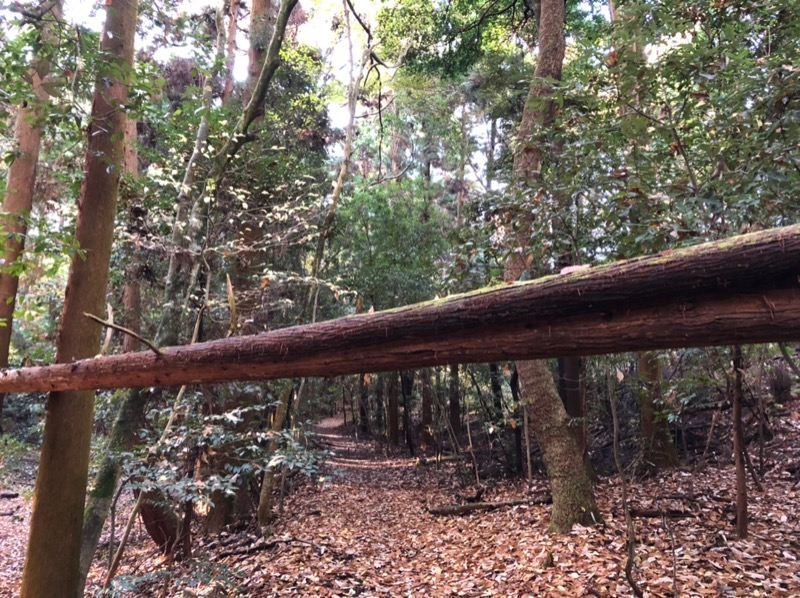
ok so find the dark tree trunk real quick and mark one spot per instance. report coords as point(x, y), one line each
point(658, 449)
point(739, 444)
point(519, 455)
point(426, 434)
point(455, 400)
point(380, 408)
point(496, 383)
point(363, 403)
point(407, 387)
point(392, 423)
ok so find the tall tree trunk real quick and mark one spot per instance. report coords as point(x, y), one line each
point(455, 400)
point(127, 423)
point(573, 497)
point(20, 184)
point(380, 408)
point(326, 228)
point(496, 384)
point(52, 560)
point(186, 230)
point(658, 450)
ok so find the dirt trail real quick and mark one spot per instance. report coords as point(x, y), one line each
point(365, 531)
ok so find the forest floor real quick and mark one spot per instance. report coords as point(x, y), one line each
point(365, 530)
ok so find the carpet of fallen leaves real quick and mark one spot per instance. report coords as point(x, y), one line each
point(365, 531)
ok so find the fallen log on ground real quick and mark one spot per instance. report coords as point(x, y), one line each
point(473, 507)
point(735, 291)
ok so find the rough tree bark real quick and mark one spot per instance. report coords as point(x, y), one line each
point(573, 496)
point(262, 26)
point(570, 486)
point(20, 183)
point(52, 560)
point(740, 290)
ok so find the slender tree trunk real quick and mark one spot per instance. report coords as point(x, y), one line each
point(496, 384)
point(380, 409)
point(455, 400)
point(363, 403)
point(738, 444)
point(20, 183)
point(53, 557)
point(128, 422)
point(392, 423)
point(407, 387)
point(265, 498)
point(326, 228)
point(426, 434)
point(658, 450)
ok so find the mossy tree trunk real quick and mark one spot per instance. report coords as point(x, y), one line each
point(53, 556)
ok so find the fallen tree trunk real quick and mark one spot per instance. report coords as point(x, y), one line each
point(740, 290)
point(473, 507)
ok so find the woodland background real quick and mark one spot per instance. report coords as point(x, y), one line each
point(371, 156)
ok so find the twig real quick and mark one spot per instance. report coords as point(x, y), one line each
point(124, 330)
point(668, 527)
point(472, 507)
point(109, 330)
